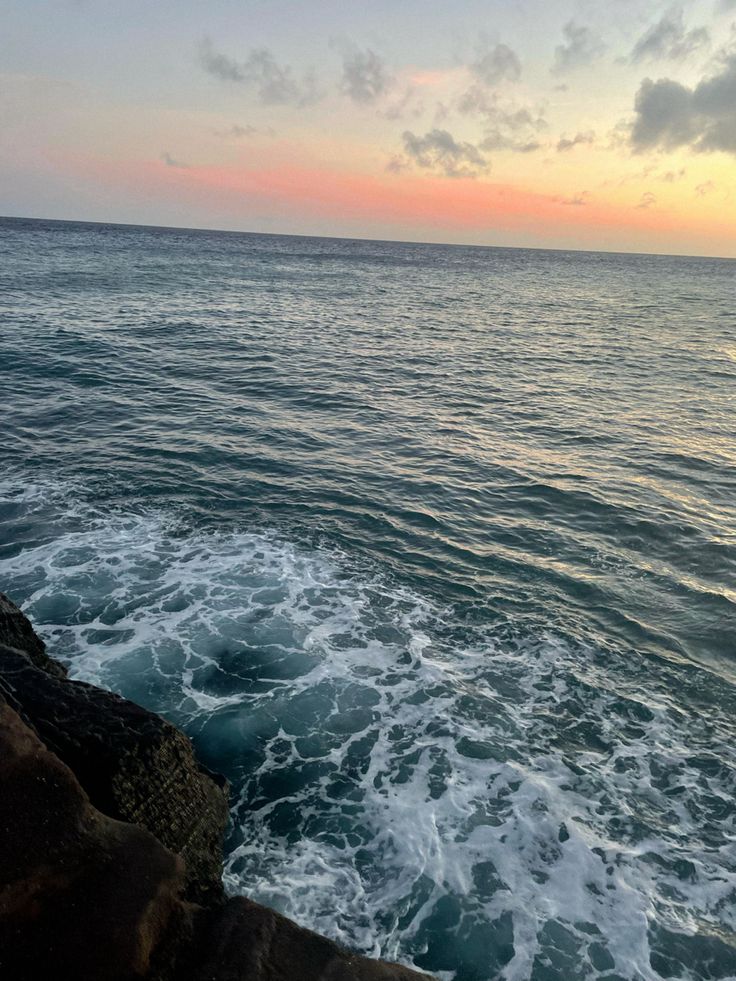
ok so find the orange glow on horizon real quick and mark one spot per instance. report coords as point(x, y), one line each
point(442, 205)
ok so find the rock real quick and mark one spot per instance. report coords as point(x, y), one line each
point(248, 942)
point(16, 631)
point(81, 896)
point(132, 764)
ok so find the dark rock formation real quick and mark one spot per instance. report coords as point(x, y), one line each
point(111, 846)
point(16, 631)
point(81, 896)
point(132, 764)
point(248, 942)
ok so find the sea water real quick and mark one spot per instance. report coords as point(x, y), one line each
point(432, 552)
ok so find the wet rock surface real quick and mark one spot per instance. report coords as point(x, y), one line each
point(111, 846)
point(16, 631)
point(248, 942)
point(132, 764)
point(81, 895)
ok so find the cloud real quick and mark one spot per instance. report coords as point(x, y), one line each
point(566, 143)
point(647, 200)
point(218, 64)
point(438, 150)
point(671, 115)
point(669, 39)
point(702, 189)
point(441, 112)
point(364, 76)
point(577, 200)
point(664, 115)
point(397, 164)
point(171, 162)
point(496, 64)
point(580, 47)
point(275, 84)
point(498, 140)
point(649, 173)
point(403, 106)
point(670, 176)
point(237, 132)
point(240, 131)
point(507, 127)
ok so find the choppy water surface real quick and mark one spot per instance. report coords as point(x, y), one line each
point(431, 550)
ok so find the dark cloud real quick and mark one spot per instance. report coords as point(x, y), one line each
point(275, 84)
point(580, 47)
point(664, 115)
point(438, 150)
point(496, 64)
point(171, 162)
point(671, 115)
point(218, 64)
point(566, 143)
point(668, 38)
point(364, 76)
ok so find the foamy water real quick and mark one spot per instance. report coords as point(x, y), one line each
point(414, 788)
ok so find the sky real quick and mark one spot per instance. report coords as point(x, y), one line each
point(584, 124)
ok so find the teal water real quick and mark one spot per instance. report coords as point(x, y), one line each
point(431, 550)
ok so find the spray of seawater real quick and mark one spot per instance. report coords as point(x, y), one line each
point(480, 801)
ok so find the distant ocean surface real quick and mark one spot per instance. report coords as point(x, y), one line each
point(431, 550)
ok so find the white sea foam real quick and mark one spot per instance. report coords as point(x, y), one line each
point(484, 802)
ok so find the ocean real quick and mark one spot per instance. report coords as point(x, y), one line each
point(431, 550)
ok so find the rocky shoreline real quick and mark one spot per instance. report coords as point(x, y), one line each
point(111, 846)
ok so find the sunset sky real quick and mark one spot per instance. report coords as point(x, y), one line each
point(593, 124)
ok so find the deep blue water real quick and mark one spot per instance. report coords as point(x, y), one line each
point(431, 550)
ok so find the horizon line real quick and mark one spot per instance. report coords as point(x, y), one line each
point(357, 238)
